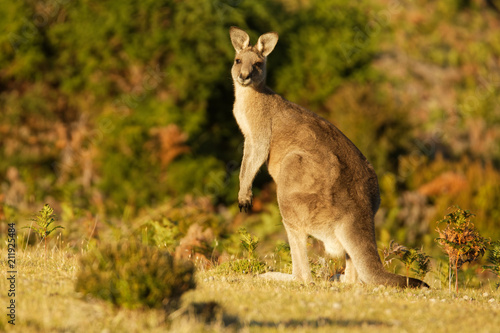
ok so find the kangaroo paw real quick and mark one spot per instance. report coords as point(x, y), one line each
point(245, 206)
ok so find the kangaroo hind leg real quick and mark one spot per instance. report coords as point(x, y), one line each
point(298, 248)
point(300, 263)
point(335, 249)
point(358, 239)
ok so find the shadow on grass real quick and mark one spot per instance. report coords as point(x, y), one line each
point(317, 323)
point(209, 312)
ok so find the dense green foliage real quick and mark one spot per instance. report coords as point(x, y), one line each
point(93, 87)
point(133, 275)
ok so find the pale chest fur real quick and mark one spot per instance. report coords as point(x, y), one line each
point(252, 112)
point(241, 116)
point(242, 110)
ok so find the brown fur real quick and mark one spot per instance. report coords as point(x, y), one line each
point(325, 186)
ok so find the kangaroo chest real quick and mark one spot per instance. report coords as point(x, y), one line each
point(253, 115)
point(241, 117)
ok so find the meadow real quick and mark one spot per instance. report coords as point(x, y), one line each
point(47, 302)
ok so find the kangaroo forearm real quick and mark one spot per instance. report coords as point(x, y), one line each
point(253, 158)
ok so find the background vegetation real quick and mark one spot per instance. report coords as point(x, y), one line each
point(119, 115)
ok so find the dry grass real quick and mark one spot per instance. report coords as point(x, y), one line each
point(46, 302)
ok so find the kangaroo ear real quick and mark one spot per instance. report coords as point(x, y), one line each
point(267, 42)
point(239, 38)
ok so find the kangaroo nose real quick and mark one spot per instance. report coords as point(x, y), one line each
point(244, 76)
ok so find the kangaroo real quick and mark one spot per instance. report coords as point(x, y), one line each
point(326, 188)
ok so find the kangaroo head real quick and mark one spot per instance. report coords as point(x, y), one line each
point(249, 68)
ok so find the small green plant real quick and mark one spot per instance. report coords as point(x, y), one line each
point(494, 259)
point(248, 242)
point(134, 275)
point(242, 266)
point(460, 240)
point(43, 221)
point(422, 264)
point(249, 265)
point(413, 259)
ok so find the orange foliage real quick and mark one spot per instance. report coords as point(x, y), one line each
point(171, 143)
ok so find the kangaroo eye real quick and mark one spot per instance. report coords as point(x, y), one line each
point(238, 61)
point(258, 65)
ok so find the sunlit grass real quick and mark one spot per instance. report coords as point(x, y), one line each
point(46, 302)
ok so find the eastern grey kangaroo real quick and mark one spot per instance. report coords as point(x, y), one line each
point(326, 188)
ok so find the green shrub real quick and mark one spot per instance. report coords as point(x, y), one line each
point(162, 234)
point(494, 259)
point(329, 64)
point(413, 259)
point(133, 275)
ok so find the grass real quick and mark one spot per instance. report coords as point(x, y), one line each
point(46, 302)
